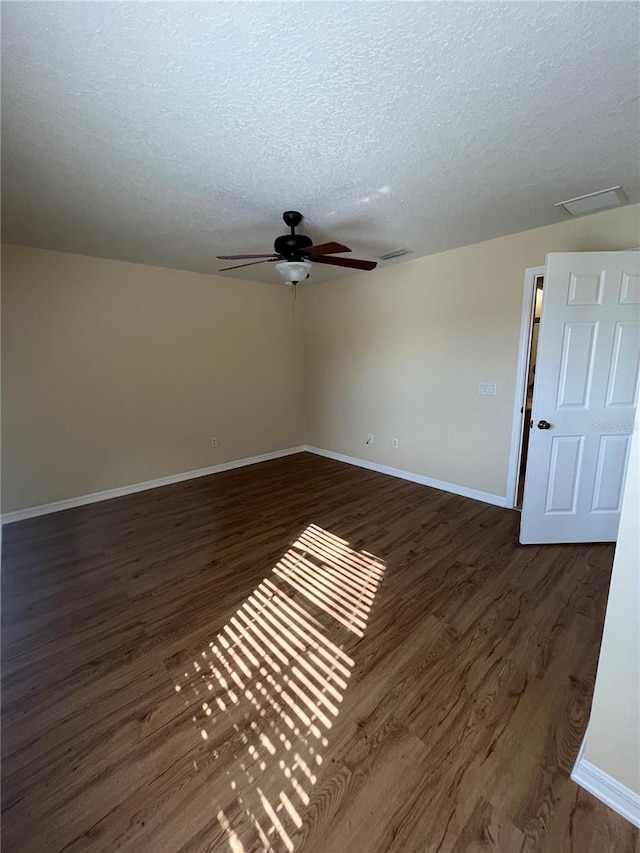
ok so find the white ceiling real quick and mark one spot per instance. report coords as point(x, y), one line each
point(168, 133)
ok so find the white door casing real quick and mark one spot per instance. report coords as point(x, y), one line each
point(586, 389)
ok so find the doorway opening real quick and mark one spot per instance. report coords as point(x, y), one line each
point(530, 381)
point(533, 276)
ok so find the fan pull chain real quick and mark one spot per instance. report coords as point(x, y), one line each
point(293, 301)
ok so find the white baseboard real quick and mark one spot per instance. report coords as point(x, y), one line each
point(496, 500)
point(606, 789)
point(95, 497)
point(83, 500)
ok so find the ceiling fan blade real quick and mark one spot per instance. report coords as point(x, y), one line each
point(251, 264)
point(244, 257)
point(354, 263)
point(327, 249)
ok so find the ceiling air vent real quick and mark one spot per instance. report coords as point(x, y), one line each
point(592, 202)
point(396, 253)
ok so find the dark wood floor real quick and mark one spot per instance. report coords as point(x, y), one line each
point(298, 655)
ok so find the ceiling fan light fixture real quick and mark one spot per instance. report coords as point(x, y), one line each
point(293, 272)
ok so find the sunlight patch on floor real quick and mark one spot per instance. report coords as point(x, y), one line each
point(270, 684)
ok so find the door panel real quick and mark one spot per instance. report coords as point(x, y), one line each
point(564, 471)
point(610, 470)
point(625, 365)
point(587, 375)
point(585, 289)
point(630, 289)
point(576, 366)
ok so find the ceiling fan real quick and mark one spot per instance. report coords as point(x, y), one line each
point(296, 253)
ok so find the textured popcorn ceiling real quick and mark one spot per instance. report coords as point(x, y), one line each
point(167, 133)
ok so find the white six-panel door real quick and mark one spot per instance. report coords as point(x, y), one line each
point(584, 398)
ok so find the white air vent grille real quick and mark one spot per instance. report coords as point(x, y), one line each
point(396, 253)
point(592, 202)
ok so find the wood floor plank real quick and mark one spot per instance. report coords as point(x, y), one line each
point(486, 831)
point(374, 801)
point(298, 655)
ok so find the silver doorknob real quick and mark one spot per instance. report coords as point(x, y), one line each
point(544, 425)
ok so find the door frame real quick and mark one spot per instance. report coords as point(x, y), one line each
point(522, 375)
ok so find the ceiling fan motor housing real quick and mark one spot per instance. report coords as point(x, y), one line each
point(290, 246)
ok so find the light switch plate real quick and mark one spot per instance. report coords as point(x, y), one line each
point(487, 389)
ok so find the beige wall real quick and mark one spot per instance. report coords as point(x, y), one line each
point(116, 373)
point(613, 736)
point(400, 352)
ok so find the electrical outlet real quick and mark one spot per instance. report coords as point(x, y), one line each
point(369, 438)
point(395, 443)
point(214, 441)
point(487, 389)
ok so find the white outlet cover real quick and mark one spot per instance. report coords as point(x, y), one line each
point(487, 389)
